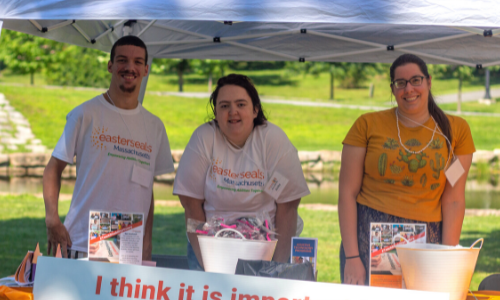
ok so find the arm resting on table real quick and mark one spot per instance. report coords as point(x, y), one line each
point(193, 209)
point(56, 232)
point(350, 181)
point(286, 227)
point(147, 243)
point(453, 205)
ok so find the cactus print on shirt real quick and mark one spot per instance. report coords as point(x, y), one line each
point(397, 181)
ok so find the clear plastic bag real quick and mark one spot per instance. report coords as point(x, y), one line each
point(258, 227)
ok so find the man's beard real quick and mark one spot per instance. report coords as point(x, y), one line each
point(127, 90)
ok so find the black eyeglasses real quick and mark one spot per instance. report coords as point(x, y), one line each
point(401, 83)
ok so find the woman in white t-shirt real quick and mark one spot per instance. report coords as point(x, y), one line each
point(229, 161)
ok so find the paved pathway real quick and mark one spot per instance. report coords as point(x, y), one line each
point(449, 98)
point(466, 97)
point(16, 134)
point(15, 131)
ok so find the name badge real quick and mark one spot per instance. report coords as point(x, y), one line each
point(275, 185)
point(454, 172)
point(141, 176)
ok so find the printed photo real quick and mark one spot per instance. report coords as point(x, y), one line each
point(376, 237)
point(137, 218)
point(94, 224)
point(419, 229)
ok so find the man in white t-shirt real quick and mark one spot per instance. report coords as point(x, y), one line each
point(119, 148)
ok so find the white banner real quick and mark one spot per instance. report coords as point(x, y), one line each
point(66, 279)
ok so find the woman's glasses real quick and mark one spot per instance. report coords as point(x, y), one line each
point(414, 81)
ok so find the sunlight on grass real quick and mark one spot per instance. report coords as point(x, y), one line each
point(24, 226)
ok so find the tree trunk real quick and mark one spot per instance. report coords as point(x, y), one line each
point(332, 78)
point(210, 82)
point(32, 78)
point(221, 68)
point(181, 80)
point(459, 102)
point(487, 84)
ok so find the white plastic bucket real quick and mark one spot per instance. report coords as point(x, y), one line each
point(439, 268)
point(220, 255)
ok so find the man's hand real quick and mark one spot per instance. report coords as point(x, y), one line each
point(57, 234)
point(354, 272)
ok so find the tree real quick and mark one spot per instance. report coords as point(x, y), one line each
point(209, 67)
point(23, 53)
point(315, 69)
point(355, 74)
point(70, 65)
point(168, 65)
point(460, 72)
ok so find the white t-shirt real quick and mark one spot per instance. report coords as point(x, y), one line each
point(231, 180)
point(109, 143)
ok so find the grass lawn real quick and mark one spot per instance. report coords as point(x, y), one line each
point(281, 84)
point(23, 226)
point(309, 128)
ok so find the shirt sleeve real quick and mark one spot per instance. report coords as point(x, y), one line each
point(464, 143)
point(193, 167)
point(283, 158)
point(65, 149)
point(358, 134)
point(164, 163)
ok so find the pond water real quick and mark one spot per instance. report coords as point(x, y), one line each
point(481, 195)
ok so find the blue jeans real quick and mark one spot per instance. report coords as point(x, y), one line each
point(192, 260)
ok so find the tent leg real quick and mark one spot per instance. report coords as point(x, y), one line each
point(1, 23)
point(145, 82)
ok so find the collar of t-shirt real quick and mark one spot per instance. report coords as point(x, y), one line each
point(120, 110)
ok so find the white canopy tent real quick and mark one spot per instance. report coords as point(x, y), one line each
point(440, 31)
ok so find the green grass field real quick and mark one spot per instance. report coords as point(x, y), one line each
point(281, 84)
point(23, 226)
point(309, 128)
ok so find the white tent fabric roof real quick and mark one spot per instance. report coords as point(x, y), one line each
point(452, 32)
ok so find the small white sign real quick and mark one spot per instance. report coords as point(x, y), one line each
point(67, 279)
point(275, 185)
point(454, 172)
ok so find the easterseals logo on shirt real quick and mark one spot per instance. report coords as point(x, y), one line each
point(133, 150)
point(99, 137)
point(250, 178)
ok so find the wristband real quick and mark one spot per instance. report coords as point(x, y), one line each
point(350, 257)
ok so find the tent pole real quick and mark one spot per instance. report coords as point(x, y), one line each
point(144, 82)
point(487, 95)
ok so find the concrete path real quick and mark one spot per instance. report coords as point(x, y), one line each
point(15, 130)
point(466, 97)
point(449, 98)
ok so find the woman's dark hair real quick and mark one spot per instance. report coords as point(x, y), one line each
point(434, 110)
point(244, 82)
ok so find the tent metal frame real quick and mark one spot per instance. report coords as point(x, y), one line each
point(234, 40)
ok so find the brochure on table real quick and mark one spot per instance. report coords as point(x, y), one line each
point(68, 279)
point(304, 249)
point(116, 237)
point(385, 269)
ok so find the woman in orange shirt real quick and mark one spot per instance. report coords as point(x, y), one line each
point(393, 165)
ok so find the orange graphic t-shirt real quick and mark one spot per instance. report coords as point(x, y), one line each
point(399, 182)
